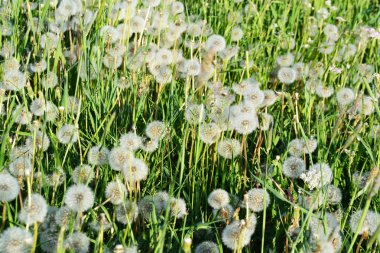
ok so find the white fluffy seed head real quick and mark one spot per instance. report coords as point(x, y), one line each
point(9, 187)
point(218, 198)
point(116, 192)
point(79, 198)
point(229, 148)
point(293, 167)
point(256, 200)
point(34, 210)
point(15, 239)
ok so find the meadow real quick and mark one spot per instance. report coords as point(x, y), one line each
point(189, 126)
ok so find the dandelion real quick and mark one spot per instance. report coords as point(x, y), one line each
point(13, 80)
point(112, 61)
point(146, 207)
point(116, 192)
point(326, 47)
point(229, 148)
point(164, 57)
point(22, 115)
point(293, 167)
point(270, 98)
point(345, 96)
point(67, 134)
point(370, 224)
point(375, 132)
point(334, 195)
point(225, 213)
point(7, 50)
point(285, 60)
point(83, 174)
point(98, 155)
point(160, 200)
point(151, 3)
point(137, 24)
point(15, 239)
point(33, 210)
point(195, 114)
point(218, 199)
point(9, 187)
point(266, 121)
point(235, 235)
point(256, 200)
point(51, 111)
point(49, 40)
point(49, 81)
point(246, 87)
point(331, 32)
point(38, 140)
point(242, 108)
point(79, 198)
point(178, 208)
point(77, 242)
point(215, 43)
point(38, 67)
point(63, 216)
point(155, 130)
point(245, 123)
point(296, 147)
point(287, 75)
point(20, 167)
point(209, 133)
point(366, 106)
point(313, 201)
point(177, 8)
point(324, 91)
point(301, 69)
point(38, 106)
point(207, 247)
point(317, 176)
point(192, 67)
point(118, 157)
point(236, 33)
point(135, 170)
point(110, 34)
point(127, 212)
point(164, 75)
point(255, 98)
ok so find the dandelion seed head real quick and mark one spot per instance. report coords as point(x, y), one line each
point(235, 236)
point(118, 157)
point(287, 75)
point(77, 242)
point(285, 60)
point(229, 148)
point(255, 98)
point(127, 212)
point(215, 43)
point(21, 167)
point(236, 33)
point(33, 210)
point(370, 224)
point(218, 199)
point(318, 175)
point(195, 114)
point(160, 200)
point(15, 239)
point(67, 134)
point(135, 170)
point(146, 207)
point(245, 123)
point(345, 96)
point(324, 91)
point(13, 80)
point(334, 195)
point(256, 200)
point(209, 133)
point(9, 187)
point(293, 167)
point(116, 192)
point(98, 155)
point(178, 207)
point(207, 247)
point(155, 130)
point(79, 198)
point(83, 174)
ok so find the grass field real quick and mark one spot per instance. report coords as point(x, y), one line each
point(195, 126)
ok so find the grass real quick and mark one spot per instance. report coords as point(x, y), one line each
point(183, 165)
